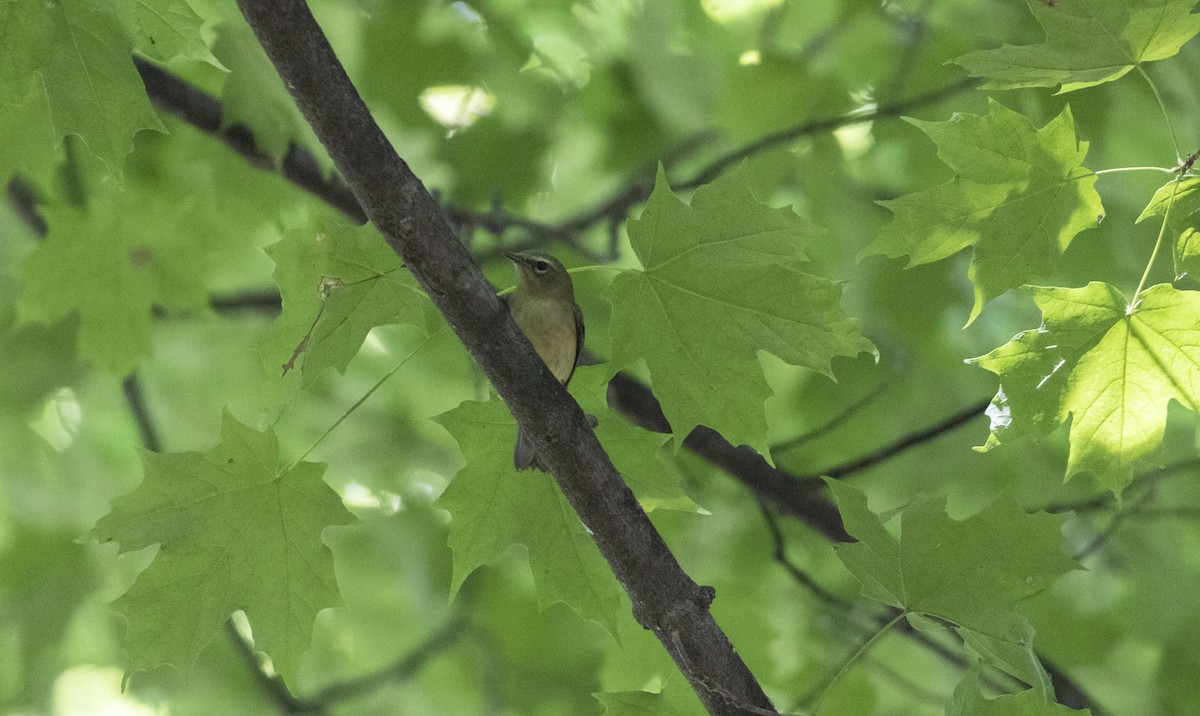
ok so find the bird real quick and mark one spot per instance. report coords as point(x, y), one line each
point(543, 306)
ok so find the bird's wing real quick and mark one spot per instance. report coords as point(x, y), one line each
point(578, 341)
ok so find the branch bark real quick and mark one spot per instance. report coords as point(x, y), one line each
point(665, 600)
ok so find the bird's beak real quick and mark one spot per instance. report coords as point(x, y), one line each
point(517, 259)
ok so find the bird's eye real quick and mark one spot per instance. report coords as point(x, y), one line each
point(541, 266)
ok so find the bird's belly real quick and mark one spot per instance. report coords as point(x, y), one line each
point(551, 330)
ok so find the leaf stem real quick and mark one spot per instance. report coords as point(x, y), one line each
point(1162, 105)
point(578, 269)
point(366, 395)
point(1164, 170)
point(855, 657)
point(595, 267)
point(1162, 230)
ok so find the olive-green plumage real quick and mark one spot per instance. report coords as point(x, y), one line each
point(543, 305)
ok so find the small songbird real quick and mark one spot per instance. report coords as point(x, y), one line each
point(543, 305)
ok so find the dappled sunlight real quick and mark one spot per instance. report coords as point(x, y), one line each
point(96, 691)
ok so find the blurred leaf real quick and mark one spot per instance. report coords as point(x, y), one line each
point(45, 578)
point(236, 529)
point(1108, 366)
point(971, 573)
point(1183, 221)
point(412, 47)
point(721, 281)
point(1088, 42)
point(80, 52)
point(36, 360)
point(1178, 668)
point(1019, 197)
point(778, 93)
point(111, 263)
point(255, 97)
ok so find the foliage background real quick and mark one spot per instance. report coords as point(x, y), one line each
point(586, 99)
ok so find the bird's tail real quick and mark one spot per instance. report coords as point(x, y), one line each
point(524, 456)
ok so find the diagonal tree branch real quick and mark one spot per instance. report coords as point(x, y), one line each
point(783, 489)
point(803, 500)
point(665, 600)
point(204, 112)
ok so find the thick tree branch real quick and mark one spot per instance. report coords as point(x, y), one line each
point(664, 598)
point(802, 500)
point(204, 112)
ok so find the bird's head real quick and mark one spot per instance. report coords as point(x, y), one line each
point(542, 274)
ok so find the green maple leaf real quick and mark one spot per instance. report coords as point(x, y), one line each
point(46, 578)
point(721, 281)
point(338, 281)
point(493, 507)
point(971, 573)
point(1020, 195)
point(1184, 221)
point(1088, 42)
point(78, 55)
point(29, 147)
point(1014, 656)
point(675, 699)
point(1111, 369)
point(968, 701)
point(111, 263)
point(35, 361)
point(236, 529)
point(256, 98)
point(164, 29)
point(637, 454)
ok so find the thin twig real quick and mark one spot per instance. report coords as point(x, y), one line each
point(272, 686)
point(718, 166)
point(905, 443)
point(833, 423)
point(802, 500)
point(135, 398)
point(402, 670)
point(803, 578)
point(1105, 500)
point(1115, 523)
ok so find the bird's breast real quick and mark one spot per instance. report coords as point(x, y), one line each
point(550, 327)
